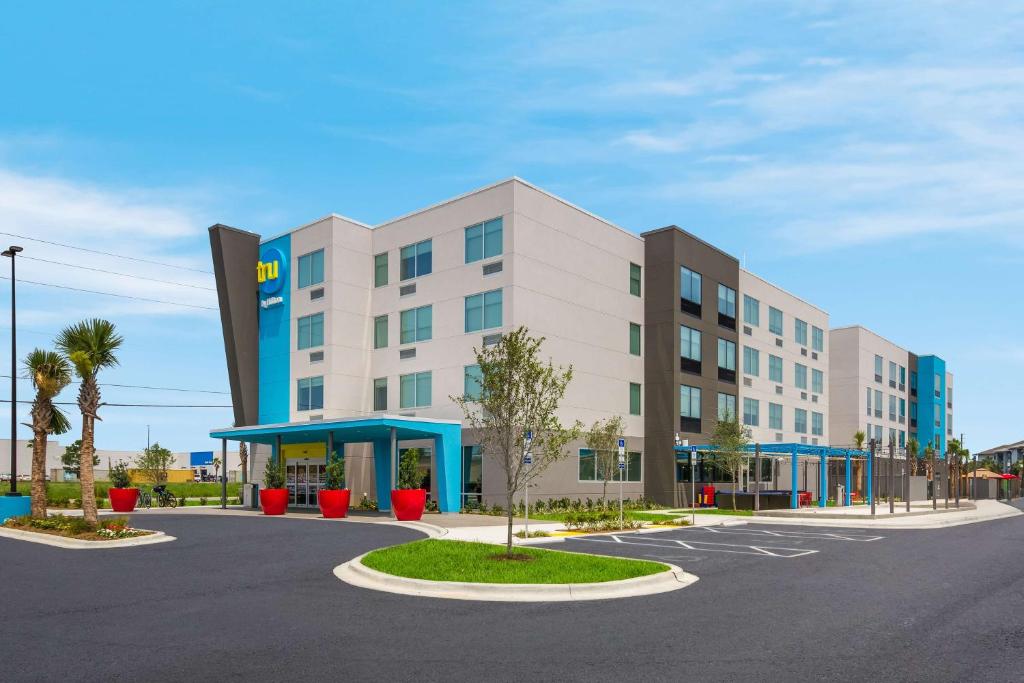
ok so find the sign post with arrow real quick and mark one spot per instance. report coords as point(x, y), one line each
point(622, 475)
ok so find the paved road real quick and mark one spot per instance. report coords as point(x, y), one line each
point(254, 599)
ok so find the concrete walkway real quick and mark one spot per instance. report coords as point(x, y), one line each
point(921, 516)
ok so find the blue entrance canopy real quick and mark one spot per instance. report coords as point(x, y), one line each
point(384, 432)
point(794, 451)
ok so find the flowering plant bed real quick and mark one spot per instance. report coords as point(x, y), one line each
point(76, 527)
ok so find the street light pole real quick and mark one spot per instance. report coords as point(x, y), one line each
point(11, 252)
point(874, 477)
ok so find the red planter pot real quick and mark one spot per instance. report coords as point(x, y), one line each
point(408, 504)
point(274, 501)
point(333, 502)
point(123, 500)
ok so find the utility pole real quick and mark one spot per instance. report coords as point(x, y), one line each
point(906, 478)
point(11, 252)
point(935, 490)
point(757, 477)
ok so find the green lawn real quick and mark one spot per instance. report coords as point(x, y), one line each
point(59, 492)
point(438, 560)
point(715, 511)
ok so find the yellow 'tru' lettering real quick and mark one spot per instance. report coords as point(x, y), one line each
point(266, 271)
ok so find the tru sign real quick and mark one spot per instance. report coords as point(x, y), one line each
point(266, 271)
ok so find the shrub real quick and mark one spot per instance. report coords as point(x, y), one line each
point(366, 504)
point(409, 469)
point(202, 500)
point(335, 473)
point(181, 501)
point(119, 477)
point(273, 474)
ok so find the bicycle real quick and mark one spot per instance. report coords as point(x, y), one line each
point(145, 500)
point(164, 497)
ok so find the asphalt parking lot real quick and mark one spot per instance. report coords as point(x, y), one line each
point(250, 598)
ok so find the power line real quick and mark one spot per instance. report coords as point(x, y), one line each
point(121, 296)
point(113, 272)
point(141, 386)
point(104, 253)
point(126, 405)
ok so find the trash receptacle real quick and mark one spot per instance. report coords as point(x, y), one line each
point(251, 496)
point(707, 496)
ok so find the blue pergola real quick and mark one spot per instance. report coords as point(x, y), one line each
point(384, 432)
point(794, 451)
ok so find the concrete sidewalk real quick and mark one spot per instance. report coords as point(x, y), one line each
point(921, 516)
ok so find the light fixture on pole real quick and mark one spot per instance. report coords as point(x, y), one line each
point(11, 252)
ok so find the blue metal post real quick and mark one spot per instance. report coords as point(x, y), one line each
point(847, 501)
point(794, 501)
point(822, 480)
point(871, 481)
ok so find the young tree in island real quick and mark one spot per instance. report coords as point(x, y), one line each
point(602, 440)
point(216, 469)
point(90, 345)
point(518, 394)
point(730, 441)
point(50, 372)
point(858, 440)
point(71, 459)
point(154, 462)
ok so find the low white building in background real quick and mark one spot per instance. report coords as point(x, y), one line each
point(108, 458)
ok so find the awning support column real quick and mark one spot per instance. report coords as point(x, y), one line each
point(224, 474)
point(794, 499)
point(823, 480)
point(847, 483)
point(394, 462)
point(381, 473)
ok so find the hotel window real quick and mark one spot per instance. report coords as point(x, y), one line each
point(311, 268)
point(689, 408)
point(751, 361)
point(414, 390)
point(380, 393)
point(634, 279)
point(903, 377)
point(892, 435)
point(751, 412)
point(868, 394)
point(903, 439)
point(689, 285)
point(311, 331)
point(591, 468)
point(800, 331)
point(817, 381)
point(634, 398)
point(878, 368)
point(726, 407)
point(892, 373)
point(800, 421)
point(817, 424)
point(472, 382)
point(938, 385)
point(483, 311)
point(774, 416)
point(634, 339)
point(903, 409)
point(800, 376)
point(878, 434)
point(774, 320)
point(817, 339)
point(380, 270)
point(416, 260)
point(892, 407)
point(416, 325)
point(751, 311)
point(913, 381)
point(878, 403)
point(726, 301)
point(484, 240)
point(726, 360)
point(311, 393)
point(689, 343)
point(380, 332)
point(774, 368)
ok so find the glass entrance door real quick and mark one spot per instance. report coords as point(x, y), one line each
point(304, 479)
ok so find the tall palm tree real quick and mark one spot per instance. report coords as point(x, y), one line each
point(858, 439)
point(90, 345)
point(50, 372)
point(912, 448)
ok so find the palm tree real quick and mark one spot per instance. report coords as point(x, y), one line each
point(858, 440)
point(90, 345)
point(912, 448)
point(50, 372)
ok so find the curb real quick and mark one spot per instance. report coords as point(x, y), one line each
point(355, 573)
point(79, 544)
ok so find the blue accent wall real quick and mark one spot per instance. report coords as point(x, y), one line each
point(931, 408)
point(275, 338)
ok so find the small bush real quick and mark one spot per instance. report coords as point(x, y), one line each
point(533, 534)
point(181, 501)
point(119, 477)
point(202, 500)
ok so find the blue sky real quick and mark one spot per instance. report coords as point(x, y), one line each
point(867, 156)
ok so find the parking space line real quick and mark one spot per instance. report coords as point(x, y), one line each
point(828, 536)
point(707, 546)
